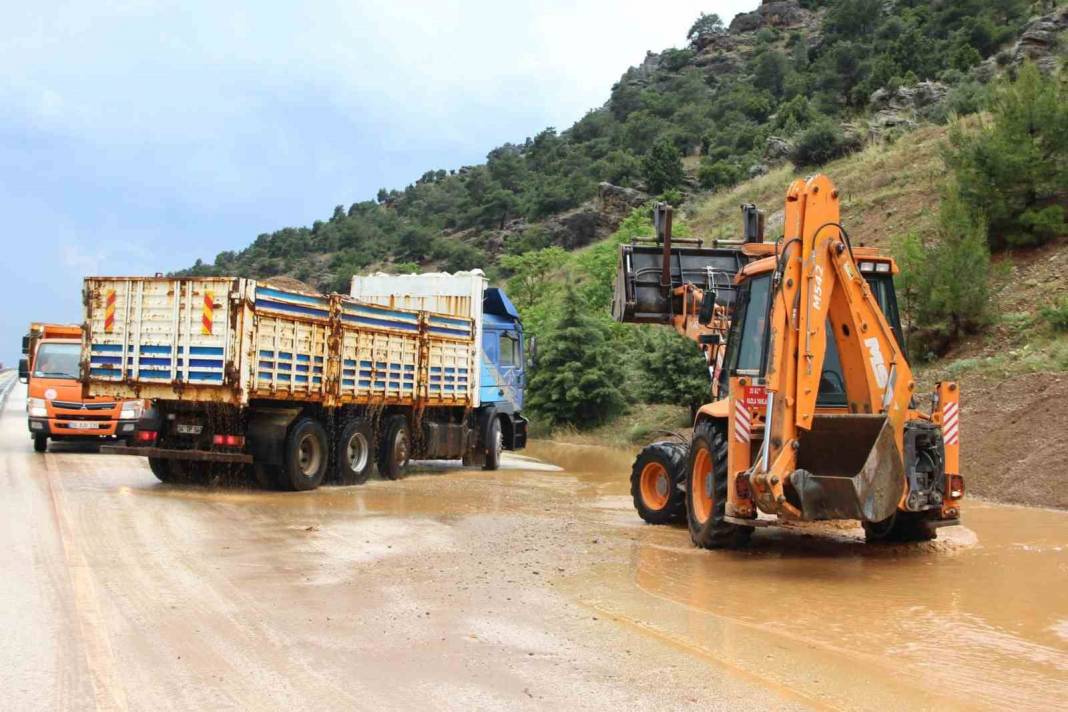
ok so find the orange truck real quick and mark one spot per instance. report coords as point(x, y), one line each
point(56, 408)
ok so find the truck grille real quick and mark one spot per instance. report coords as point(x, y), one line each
point(67, 405)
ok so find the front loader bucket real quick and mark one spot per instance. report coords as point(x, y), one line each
point(849, 467)
point(641, 295)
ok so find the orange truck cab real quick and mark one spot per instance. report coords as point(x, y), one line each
point(51, 354)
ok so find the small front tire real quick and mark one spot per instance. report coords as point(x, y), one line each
point(494, 444)
point(40, 443)
point(655, 480)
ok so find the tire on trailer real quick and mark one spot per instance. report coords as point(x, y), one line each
point(40, 443)
point(494, 440)
point(354, 453)
point(307, 456)
point(161, 468)
point(655, 477)
point(706, 490)
point(900, 527)
point(395, 448)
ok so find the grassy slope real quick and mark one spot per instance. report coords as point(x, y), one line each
point(1014, 376)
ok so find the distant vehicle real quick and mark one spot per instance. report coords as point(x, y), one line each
point(55, 405)
point(307, 387)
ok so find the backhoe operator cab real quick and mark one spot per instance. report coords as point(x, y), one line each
point(820, 419)
point(747, 340)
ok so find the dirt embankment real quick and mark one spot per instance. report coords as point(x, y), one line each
point(1012, 438)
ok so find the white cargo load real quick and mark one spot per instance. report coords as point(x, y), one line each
point(458, 294)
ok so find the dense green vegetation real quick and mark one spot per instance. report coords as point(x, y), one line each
point(1007, 187)
point(772, 82)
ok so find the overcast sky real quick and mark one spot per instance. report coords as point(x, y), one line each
point(137, 136)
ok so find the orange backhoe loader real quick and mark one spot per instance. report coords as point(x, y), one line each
point(817, 416)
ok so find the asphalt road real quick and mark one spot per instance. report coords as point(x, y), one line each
point(532, 587)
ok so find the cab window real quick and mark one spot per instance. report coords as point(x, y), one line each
point(57, 361)
point(509, 346)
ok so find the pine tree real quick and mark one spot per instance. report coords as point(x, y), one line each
point(577, 376)
point(662, 168)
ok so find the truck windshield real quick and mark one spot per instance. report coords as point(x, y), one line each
point(57, 361)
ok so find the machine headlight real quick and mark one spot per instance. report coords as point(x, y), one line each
point(132, 410)
point(37, 408)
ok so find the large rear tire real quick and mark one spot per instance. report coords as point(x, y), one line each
point(655, 480)
point(307, 456)
point(706, 490)
point(354, 453)
point(395, 449)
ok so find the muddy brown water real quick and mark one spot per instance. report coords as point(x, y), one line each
point(535, 586)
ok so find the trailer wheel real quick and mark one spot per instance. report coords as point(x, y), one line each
point(161, 468)
point(395, 448)
point(40, 443)
point(655, 477)
point(494, 440)
point(353, 453)
point(706, 490)
point(307, 456)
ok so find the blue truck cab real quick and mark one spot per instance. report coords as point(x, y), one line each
point(503, 375)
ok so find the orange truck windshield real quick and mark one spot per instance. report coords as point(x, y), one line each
point(57, 361)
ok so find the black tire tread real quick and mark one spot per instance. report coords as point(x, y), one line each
point(384, 456)
point(673, 455)
point(715, 533)
point(345, 476)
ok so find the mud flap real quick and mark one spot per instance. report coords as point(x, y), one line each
point(870, 494)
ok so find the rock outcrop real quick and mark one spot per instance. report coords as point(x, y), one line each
point(780, 14)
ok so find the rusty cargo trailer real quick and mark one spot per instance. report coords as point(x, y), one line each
point(298, 387)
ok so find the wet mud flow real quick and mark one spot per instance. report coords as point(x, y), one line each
point(531, 587)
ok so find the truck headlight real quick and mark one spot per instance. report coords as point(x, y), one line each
point(37, 408)
point(132, 410)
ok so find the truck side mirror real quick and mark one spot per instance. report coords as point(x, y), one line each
point(24, 370)
point(532, 351)
point(708, 307)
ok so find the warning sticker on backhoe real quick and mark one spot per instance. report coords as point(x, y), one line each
point(755, 397)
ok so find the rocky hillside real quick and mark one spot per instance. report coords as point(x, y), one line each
point(799, 81)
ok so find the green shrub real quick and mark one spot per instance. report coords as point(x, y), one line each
point(662, 168)
point(1014, 168)
point(823, 141)
point(944, 286)
point(577, 376)
point(1056, 314)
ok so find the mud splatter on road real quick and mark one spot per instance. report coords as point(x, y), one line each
point(535, 586)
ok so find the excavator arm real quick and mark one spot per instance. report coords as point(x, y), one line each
point(840, 465)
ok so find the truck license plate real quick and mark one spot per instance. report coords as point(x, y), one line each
point(186, 429)
point(82, 425)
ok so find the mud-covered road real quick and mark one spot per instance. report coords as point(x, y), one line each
point(533, 587)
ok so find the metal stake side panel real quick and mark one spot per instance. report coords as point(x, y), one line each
point(290, 345)
point(379, 356)
point(159, 337)
point(451, 369)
